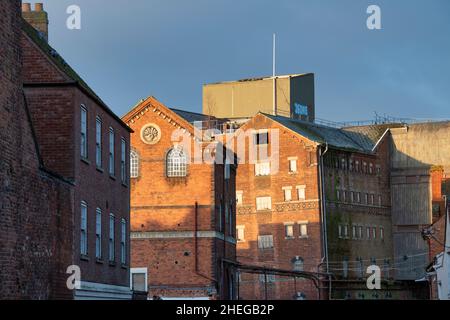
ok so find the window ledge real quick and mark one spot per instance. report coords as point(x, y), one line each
point(113, 177)
point(124, 266)
point(100, 169)
point(112, 263)
point(85, 160)
point(289, 238)
point(84, 257)
point(303, 237)
point(124, 185)
point(98, 260)
point(293, 172)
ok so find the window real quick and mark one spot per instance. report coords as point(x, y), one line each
point(293, 165)
point(382, 233)
point(239, 198)
point(345, 231)
point(371, 168)
point(350, 165)
point(262, 169)
point(176, 163)
point(366, 196)
point(112, 170)
point(269, 277)
point(360, 266)
point(83, 235)
point(380, 200)
point(261, 138)
point(84, 142)
point(98, 142)
point(227, 173)
point(123, 237)
point(230, 220)
point(357, 166)
point(360, 232)
point(298, 264)
point(240, 233)
point(374, 232)
point(354, 232)
point(372, 199)
point(358, 197)
point(265, 242)
point(340, 231)
point(123, 161)
point(343, 164)
point(338, 195)
point(98, 233)
point(112, 228)
point(303, 229)
point(368, 233)
point(263, 203)
point(345, 267)
point(134, 164)
point(301, 193)
point(287, 193)
point(138, 279)
point(386, 268)
point(352, 197)
point(289, 231)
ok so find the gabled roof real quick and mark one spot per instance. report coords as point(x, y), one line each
point(369, 135)
point(65, 68)
point(334, 137)
point(152, 104)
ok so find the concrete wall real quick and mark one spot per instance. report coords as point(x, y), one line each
point(240, 99)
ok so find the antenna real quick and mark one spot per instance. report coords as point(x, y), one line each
point(274, 54)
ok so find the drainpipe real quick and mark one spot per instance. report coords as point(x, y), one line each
point(323, 208)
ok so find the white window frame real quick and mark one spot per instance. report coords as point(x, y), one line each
point(98, 233)
point(111, 242)
point(293, 164)
point(289, 229)
point(303, 229)
point(240, 230)
point(112, 162)
point(84, 228)
point(98, 142)
point(139, 271)
point(262, 168)
point(123, 241)
point(176, 163)
point(123, 160)
point(301, 193)
point(263, 203)
point(381, 232)
point(134, 164)
point(239, 197)
point(265, 241)
point(287, 193)
point(84, 132)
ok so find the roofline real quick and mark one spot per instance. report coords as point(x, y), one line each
point(294, 75)
point(380, 139)
point(155, 103)
point(87, 92)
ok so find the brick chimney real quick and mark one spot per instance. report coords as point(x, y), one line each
point(38, 18)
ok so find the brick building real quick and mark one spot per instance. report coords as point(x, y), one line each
point(182, 211)
point(65, 184)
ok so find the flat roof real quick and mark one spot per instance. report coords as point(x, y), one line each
point(294, 75)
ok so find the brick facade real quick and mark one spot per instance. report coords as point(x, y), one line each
point(168, 213)
point(273, 222)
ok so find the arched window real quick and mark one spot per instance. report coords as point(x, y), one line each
point(298, 263)
point(134, 164)
point(176, 163)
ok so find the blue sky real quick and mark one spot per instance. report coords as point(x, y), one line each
point(128, 50)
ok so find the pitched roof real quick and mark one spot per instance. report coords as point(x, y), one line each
point(334, 137)
point(64, 67)
point(192, 116)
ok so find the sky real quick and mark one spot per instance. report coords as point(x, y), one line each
point(129, 50)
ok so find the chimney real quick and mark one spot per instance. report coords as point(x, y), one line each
point(38, 18)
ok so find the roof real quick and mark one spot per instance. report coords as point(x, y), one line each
point(262, 78)
point(192, 116)
point(65, 68)
point(369, 135)
point(334, 137)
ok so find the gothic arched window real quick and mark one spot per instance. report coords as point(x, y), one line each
point(134, 164)
point(176, 163)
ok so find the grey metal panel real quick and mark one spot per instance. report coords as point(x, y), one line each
point(411, 204)
point(411, 255)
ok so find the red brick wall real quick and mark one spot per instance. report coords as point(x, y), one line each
point(55, 111)
point(35, 207)
point(272, 222)
point(161, 204)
